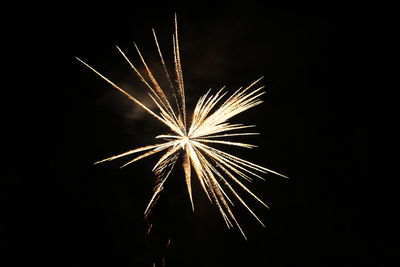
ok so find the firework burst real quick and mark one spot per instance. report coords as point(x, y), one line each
point(192, 138)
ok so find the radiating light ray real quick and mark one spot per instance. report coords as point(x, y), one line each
point(158, 93)
point(156, 150)
point(172, 126)
point(192, 139)
point(230, 143)
point(157, 87)
point(187, 170)
point(179, 75)
point(228, 135)
point(171, 85)
point(136, 150)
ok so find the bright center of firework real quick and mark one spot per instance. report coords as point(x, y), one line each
point(185, 140)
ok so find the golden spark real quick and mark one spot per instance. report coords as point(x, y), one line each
point(193, 139)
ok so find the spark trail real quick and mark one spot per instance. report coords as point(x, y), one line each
point(192, 139)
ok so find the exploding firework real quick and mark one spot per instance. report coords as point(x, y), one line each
point(192, 138)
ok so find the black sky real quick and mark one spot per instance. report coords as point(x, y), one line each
point(60, 210)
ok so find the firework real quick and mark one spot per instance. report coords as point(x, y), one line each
point(192, 138)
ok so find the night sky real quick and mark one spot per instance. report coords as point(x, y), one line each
point(58, 209)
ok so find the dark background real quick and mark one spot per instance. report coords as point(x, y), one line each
point(58, 209)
